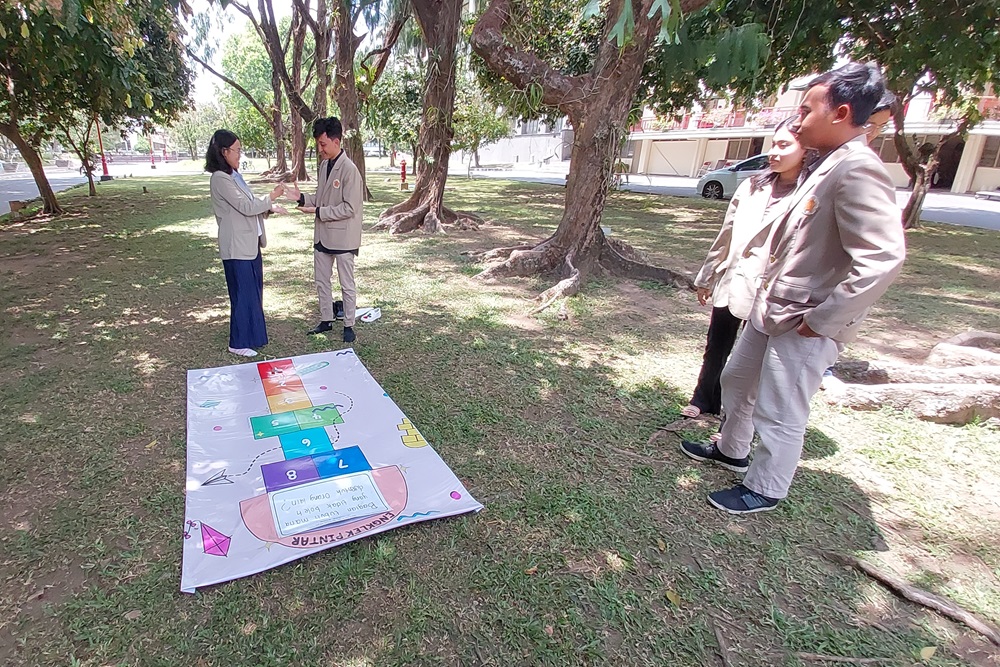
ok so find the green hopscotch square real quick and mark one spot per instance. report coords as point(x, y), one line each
point(319, 415)
point(266, 426)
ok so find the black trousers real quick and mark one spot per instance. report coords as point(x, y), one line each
point(723, 329)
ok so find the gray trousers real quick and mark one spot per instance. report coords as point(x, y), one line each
point(323, 273)
point(766, 386)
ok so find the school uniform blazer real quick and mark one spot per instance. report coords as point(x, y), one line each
point(238, 215)
point(338, 202)
point(737, 258)
point(839, 249)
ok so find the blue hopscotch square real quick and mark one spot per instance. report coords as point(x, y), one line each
point(341, 462)
point(305, 443)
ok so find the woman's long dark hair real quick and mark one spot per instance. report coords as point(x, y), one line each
point(768, 176)
point(214, 159)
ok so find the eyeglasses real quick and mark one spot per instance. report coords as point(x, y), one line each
point(238, 150)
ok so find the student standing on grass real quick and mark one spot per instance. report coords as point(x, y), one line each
point(337, 207)
point(731, 272)
point(876, 123)
point(833, 255)
point(240, 217)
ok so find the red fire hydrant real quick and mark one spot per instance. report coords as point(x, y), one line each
point(403, 185)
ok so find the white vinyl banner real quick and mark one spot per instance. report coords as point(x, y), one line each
point(289, 457)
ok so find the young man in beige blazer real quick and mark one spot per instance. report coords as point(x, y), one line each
point(833, 255)
point(337, 206)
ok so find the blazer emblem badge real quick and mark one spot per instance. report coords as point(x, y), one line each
point(336, 182)
point(810, 206)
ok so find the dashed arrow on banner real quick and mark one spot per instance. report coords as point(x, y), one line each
point(222, 478)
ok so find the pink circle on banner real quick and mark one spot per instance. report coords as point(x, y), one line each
point(216, 428)
point(456, 495)
point(323, 387)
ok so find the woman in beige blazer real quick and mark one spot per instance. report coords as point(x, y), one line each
point(240, 217)
point(732, 270)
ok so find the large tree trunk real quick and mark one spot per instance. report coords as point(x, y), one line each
point(322, 36)
point(915, 204)
point(345, 90)
point(597, 105)
point(299, 171)
point(278, 126)
point(439, 21)
point(298, 30)
point(34, 161)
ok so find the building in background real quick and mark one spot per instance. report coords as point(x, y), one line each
point(717, 134)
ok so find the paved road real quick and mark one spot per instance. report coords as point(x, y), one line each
point(942, 207)
point(20, 185)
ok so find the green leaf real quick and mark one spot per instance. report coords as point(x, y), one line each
point(128, 100)
point(25, 33)
point(624, 28)
point(148, 99)
point(3, 32)
point(591, 9)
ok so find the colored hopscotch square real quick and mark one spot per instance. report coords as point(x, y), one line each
point(320, 415)
point(269, 369)
point(304, 443)
point(290, 401)
point(266, 426)
point(282, 383)
point(283, 474)
point(341, 462)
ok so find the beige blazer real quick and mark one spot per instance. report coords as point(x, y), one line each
point(737, 258)
point(238, 217)
point(837, 251)
point(338, 201)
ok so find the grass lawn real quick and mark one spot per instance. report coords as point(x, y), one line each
point(596, 546)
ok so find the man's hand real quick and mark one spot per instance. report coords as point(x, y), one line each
point(292, 191)
point(804, 330)
point(307, 209)
point(278, 190)
point(279, 210)
point(703, 294)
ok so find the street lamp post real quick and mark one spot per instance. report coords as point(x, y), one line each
point(104, 161)
point(152, 153)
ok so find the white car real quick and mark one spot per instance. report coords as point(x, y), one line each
point(722, 183)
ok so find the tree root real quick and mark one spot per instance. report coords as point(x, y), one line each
point(566, 287)
point(941, 605)
point(529, 260)
point(837, 658)
point(620, 259)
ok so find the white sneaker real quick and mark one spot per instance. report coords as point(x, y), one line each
point(244, 351)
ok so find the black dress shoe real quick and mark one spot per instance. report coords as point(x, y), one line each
point(349, 336)
point(338, 310)
point(322, 327)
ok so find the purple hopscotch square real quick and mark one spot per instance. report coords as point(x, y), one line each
point(283, 474)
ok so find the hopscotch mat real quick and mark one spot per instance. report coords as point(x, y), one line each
point(289, 457)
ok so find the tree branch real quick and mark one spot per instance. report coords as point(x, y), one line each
point(388, 42)
point(521, 68)
point(243, 91)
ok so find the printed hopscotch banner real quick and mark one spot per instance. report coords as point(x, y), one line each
point(290, 457)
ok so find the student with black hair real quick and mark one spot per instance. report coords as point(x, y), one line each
point(240, 216)
point(337, 207)
point(832, 256)
point(731, 272)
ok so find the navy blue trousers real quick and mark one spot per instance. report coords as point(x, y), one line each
point(245, 280)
